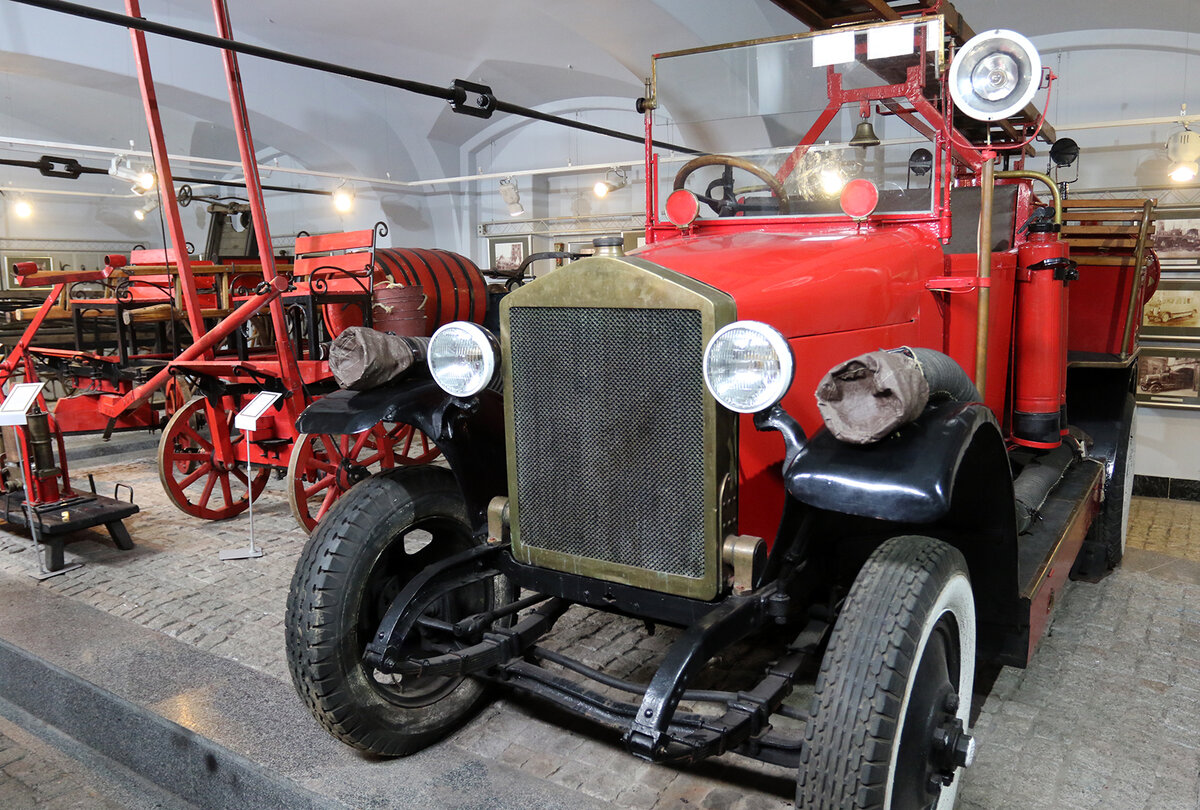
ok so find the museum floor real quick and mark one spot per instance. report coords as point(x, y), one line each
point(170, 661)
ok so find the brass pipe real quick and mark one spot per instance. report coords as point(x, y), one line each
point(1139, 276)
point(984, 248)
point(37, 432)
point(1044, 178)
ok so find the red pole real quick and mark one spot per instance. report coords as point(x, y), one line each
point(288, 365)
point(166, 185)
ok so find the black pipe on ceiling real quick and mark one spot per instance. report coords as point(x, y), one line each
point(453, 95)
point(70, 168)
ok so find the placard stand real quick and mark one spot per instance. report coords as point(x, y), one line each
point(247, 421)
point(13, 413)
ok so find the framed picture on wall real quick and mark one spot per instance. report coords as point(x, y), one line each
point(45, 264)
point(634, 240)
point(1169, 377)
point(507, 252)
point(1177, 240)
point(1173, 312)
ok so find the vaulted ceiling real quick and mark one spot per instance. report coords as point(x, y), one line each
point(71, 81)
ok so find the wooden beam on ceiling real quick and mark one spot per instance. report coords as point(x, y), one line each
point(822, 14)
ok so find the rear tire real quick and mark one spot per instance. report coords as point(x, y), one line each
point(359, 557)
point(898, 672)
point(1104, 547)
point(1111, 528)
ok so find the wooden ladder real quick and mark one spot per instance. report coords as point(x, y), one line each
point(1113, 233)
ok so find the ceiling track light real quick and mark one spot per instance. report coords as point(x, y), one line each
point(19, 206)
point(511, 196)
point(343, 198)
point(140, 214)
point(613, 180)
point(141, 178)
point(1183, 150)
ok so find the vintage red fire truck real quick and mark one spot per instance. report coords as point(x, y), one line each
point(642, 435)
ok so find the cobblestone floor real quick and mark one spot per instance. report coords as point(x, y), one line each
point(1103, 719)
point(1169, 527)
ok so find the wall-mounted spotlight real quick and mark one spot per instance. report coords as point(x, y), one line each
point(1183, 150)
point(613, 180)
point(122, 168)
point(511, 196)
point(343, 199)
point(141, 213)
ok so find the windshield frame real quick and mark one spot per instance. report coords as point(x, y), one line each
point(926, 112)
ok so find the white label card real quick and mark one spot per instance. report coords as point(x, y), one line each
point(833, 49)
point(18, 402)
point(247, 418)
point(894, 40)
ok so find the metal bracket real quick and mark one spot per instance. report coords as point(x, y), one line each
point(497, 520)
point(472, 99)
point(746, 556)
point(957, 284)
point(70, 167)
point(469, 566)
point(647, 736)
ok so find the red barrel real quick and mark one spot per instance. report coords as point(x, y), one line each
point(1039, 379)
point(454, 287)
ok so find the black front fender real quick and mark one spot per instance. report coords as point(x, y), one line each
point(908, 477)
point(945, 475)
point(469, 432)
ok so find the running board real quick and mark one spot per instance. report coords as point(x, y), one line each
point(1048, 550)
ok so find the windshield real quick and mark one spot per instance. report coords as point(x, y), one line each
point(757, 102)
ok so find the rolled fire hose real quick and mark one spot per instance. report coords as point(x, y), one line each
point(868, 397)
point(362, 358)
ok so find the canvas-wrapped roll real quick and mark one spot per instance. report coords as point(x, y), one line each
point(864, 399)
point(362, 358)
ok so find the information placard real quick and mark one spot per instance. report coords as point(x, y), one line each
point(247, 418)
point(18, 402)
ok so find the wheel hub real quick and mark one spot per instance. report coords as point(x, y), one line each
point(951, 747)
point(349, 474)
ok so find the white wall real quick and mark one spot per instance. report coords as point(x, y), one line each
point(1168, 443)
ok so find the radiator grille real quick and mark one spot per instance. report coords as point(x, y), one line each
point(608, 408)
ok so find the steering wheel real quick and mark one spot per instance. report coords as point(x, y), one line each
point(729, 206)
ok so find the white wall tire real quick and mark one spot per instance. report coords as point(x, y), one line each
point(899, 670)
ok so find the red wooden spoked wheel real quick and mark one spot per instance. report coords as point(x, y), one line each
point(192, 477)
point(322, 467)
point(411, 446)
point(176, 393)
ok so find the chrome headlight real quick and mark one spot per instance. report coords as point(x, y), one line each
point(748, 366)
point(463, 357)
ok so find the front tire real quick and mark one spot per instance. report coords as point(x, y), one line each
point(893, 696)
point(359, 557)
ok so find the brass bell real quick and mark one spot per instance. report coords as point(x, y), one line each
point(864, 135)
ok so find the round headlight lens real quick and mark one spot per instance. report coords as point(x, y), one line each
point(748, 366)
point(462, 358)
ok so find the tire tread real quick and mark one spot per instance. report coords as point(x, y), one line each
point(846, 751)
point(313, 626)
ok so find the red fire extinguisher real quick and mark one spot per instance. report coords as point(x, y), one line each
point(1040, 379)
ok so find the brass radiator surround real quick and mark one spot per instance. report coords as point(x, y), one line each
point(620, 285)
